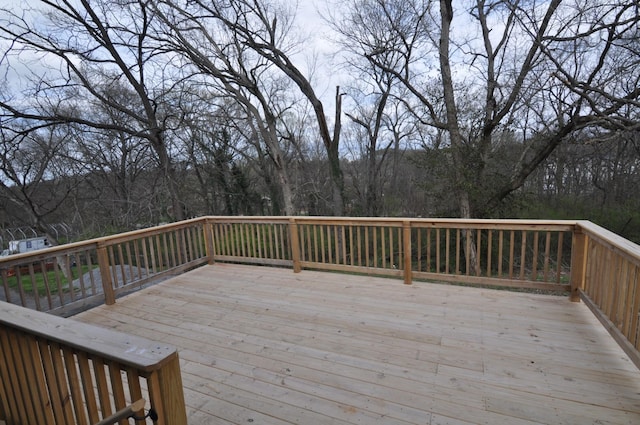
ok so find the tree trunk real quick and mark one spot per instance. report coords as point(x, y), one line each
point(333, 154)
point(170, 178)
point(460, 184)
point(372, 206)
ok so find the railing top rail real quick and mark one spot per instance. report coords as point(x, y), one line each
point(92, 243)
point(533, 225)
point(113, 239)
point(250, 219)
point(569, 224)
point(139, 353)
point(607, 237)
point(47, 253)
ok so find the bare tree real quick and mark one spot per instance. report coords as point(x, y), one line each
point(533, 69)
point(370, 120)
point(377, 99)
point(265, 28)
point(117, 171)
point(223, 184)
point(94, 53)
point(238, 73)
point(38, 174)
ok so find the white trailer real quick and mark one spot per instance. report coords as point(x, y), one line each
point(26, 245)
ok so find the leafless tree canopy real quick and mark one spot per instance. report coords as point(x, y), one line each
point(122, 113)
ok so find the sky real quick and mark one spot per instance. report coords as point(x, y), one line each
point(307, 20)
point(318, 50)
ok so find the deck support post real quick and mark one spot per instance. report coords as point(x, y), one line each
point(208, 241)
point(105, 275)
point(295, 245)
point(406, 251)
point(579, 243)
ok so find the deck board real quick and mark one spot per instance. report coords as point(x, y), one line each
point(267, 346)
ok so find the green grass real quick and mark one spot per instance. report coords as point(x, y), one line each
point(39, 280)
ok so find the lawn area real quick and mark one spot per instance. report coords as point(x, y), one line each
point(54, 279)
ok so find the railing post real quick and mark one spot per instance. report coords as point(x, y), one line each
point(406, 248)
point(105, 275)
point(295, 245)
point(167, 394)
point(208, 241)
point(579, 243)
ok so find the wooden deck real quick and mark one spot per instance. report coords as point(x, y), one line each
point(266, 346)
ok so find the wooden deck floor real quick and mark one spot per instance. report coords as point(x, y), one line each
point(263, 345)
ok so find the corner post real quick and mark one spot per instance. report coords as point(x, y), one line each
point(295, 245)
point(167, 394)
point(406, 251)
point(105, 275)
point(207, 228)
point(579, 244)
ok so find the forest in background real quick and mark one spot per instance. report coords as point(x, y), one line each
point(119, 114)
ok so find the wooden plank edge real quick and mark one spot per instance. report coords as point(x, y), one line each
point(76, 306)
point(140, 353)
point(174, 271)
point(490, 281)
point(369, 271)
point(250, 260)
point(623, 342)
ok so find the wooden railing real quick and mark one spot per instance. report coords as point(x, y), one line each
point(576, 257)
point(608, 280)
point(55, 280)
point(64, 279)
point(260, 240)
point(56, 371)
point(132, 259)
point(512, 253)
